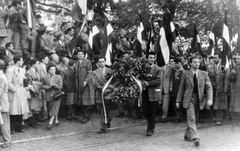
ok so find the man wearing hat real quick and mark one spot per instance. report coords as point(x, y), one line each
point(47, 42)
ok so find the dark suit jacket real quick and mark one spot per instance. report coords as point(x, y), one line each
point(186, 88)
point(154, 87)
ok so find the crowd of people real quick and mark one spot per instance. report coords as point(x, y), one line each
point(28, 83)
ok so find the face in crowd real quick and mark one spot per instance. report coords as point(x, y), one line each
point(216, 59)
point(101, 62)
point(52, 70)
point(195, 63)
point(151, 59)
point(80, 55)
point(238, 59)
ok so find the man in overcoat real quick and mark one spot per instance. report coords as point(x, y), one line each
point(195, 86)
point(84, 85)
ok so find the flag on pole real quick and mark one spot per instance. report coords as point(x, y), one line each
point(226, 42)
point(163, 54)
point(83, 6)
point(234, 42)
point(79, 9)
point(29, 14)
point(107, 44)
point(150, 44)
point(196, 43)
point(212, 41)
point(94, 31)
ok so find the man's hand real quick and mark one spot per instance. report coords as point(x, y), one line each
point(209, 102)
point(178, 105)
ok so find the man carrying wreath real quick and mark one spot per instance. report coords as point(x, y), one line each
point(151, 94)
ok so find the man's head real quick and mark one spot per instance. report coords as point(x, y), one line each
point(217, 57)
point(80, 54)
point(211, 60)
point(44, 59)
point(101, 62)
point(65, 61)
point(238, 59)
point(178, 62)
point(171, 62)
point(9, 46)
point(18, 60)
point(151, 58)
point(195, 62)
point(54, 58)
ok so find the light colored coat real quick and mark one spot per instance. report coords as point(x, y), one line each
point(186, 88)
point(4, 103)
point(17, 94)
point(56, 79)
point(99, 81)
point(42, 70)
point(167, 79)
point(235, 92)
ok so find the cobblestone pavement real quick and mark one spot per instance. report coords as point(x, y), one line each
point(167, 137)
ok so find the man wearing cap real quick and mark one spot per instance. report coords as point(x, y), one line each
point(47, 42)
point(4, 107)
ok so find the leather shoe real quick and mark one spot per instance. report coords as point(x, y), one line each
point(50, 126)
point(102, 131)
point(219, 123)
point(177, 121)
point(196, 142)
point(13, 132)
point(187, 139)
point(149, 133)
point(6, 145)
point(56, 124)
point(163, 120)
point(85, 120)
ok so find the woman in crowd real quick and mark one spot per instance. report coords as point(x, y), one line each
point(35, 84)
point(52, 83)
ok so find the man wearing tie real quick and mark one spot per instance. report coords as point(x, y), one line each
point(195, 85)
point(152, 93)
point(99, 81)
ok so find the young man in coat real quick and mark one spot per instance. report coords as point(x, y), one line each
point(4, 107)
point(99, 81)
point(152, 92)
point(195, 85)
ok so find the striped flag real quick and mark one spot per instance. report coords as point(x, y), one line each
point(79, 9)
point(29, 14)
point(83, 6)
point(150, 44)
point(212, 41)
point(140, 30)
point(163, 55)
point(107, 44)
point(234, 42)
point(94, 31)
point(196, 43)
point(226, 42)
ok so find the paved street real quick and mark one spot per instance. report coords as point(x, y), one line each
point(128, 136)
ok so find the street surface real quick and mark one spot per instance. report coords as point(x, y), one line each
point(126, 135)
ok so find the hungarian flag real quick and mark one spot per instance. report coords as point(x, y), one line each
point(107, 44)
point(226, 42)
point(150, 44)
point(234, 42)
point(140, 30)
point(94, 31)
point(163, 54)
point(196, 43)
point(30, 14)
point(171, 33)
point(79, 9)
point(212, 41)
